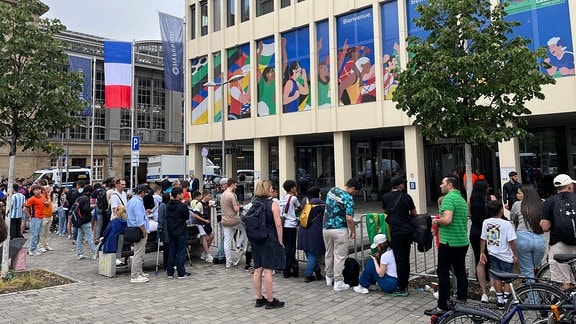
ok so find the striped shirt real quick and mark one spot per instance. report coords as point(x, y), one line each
point(455, 234)
point(18, 201)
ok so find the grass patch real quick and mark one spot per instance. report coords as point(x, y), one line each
point(29, 280)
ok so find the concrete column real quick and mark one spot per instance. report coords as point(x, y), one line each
point(196, 162)
point(415, 176)
point(509, 155)
point(342, 160)
point(286, 159)
point(261, 155)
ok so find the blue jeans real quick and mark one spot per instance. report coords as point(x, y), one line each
point(177, 249)
point(61, 221)
point(220, 253)
point(311, 264)
point(85, 229)
point(35, 229)
point(531, 248)
point(369, 275)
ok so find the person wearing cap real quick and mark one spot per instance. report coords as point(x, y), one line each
point(560, 272)
point(220, 257)
point(510, 190)
point(400, 208)
point(136, 216)
point(379, 268)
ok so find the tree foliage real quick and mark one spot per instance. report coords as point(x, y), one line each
point(38, 96)
point(469, 78)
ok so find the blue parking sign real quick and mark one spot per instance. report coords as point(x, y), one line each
point(135, 143)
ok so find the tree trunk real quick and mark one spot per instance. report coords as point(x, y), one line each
point(6, 243)
point(468, 168)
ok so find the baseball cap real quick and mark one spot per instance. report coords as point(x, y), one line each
point(223, 181)
point(378, 239)
point(562, 180)
point(396, 181)
point(141, 188)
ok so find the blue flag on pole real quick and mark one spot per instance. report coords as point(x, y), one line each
point(171, 30)
point(84, 65)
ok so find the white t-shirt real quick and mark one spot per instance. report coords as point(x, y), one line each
point(497, 233)
point(117, 199)
point(388, 259)
point(290, 220)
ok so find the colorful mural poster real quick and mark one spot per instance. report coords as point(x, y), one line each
point(199, 73)
point(390, 47)
point(239, 91)
point(266, 77)
point(217, 90)
point(323, 47)
point(356, 76)
point(412, 14)
point(295, 67)
point(546, 23)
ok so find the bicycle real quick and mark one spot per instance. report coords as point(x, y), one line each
point(530, 303)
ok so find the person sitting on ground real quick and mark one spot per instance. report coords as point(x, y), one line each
point(379, 268)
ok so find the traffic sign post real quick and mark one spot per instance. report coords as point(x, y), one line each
point(135, 157)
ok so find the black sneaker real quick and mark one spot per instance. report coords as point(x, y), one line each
point(186, 275)
point(260, 302)
point(501, 306)
point(308, 279)
point(275, 303)
point(219, 261)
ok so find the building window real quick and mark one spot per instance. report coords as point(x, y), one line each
point(264, 7)
point(79, 162)
point(285, 3)
point(125, 125)
point(245, 10)
point(204, 18)
point(192, 21)
point(54, 162)
point(216, 9)
point(98, 170)
point(230, 13)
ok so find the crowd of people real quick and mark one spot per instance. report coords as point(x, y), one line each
point(170, 209)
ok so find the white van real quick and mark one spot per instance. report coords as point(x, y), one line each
point(63, 176)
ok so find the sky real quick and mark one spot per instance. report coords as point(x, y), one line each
point(123, 20)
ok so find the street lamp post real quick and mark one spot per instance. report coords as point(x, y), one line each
point(223, 114)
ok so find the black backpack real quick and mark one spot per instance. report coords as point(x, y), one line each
point(102, 199)
point(565, 218)
point(255, 221)
point(351, 272)
point(77, 215)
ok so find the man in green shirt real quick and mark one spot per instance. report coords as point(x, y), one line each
point(453, 232)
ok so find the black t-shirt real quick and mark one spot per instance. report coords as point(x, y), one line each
point(399, 216)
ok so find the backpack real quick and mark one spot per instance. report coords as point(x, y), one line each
point(76, 215)
point(565, 218)
point(351, 272)
point(422, 234)
point(255, 221)
point(305, 219)
point(102, 199)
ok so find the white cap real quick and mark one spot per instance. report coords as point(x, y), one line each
point(562, 180)
point(223, 181)
point(378, 239)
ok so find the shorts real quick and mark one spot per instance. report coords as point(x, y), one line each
point(500, 265)
point(201, 231)
point(207, 228)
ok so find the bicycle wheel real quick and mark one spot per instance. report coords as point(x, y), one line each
point(544, 272)
point(458, 317)
point(535, 293)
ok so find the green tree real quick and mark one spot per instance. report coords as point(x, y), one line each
point(38, 96)
point(469, 78)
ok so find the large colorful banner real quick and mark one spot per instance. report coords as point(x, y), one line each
point(296, 66)
point(390, 47)
point(356, 73)
point(323, 47)
point(546, 23)
point(218, 102)
point(83, 65)
point(171, 31)
point(266, 96)
point(239, 105)
point(199, 73)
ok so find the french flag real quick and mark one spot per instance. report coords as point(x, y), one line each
point(118, 74)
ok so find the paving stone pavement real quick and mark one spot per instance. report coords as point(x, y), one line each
point(213, 294)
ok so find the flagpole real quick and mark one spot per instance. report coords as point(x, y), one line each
point(132, 113)
point(92, 119)
point(185, 124)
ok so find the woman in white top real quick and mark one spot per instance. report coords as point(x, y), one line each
point(380, 268)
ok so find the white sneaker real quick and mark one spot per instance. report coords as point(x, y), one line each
point(209, 258)
point(80, 257)
point(49, 248)
point(95, 256)
point(34, 253)
point(361, 290)
point(435, 294)
point(42, 250)
point(203, 256)
point(145, 275)
point(329, 281)
point(484, 298)
point(340, 286)
point(229, 264)
point(139, 279)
